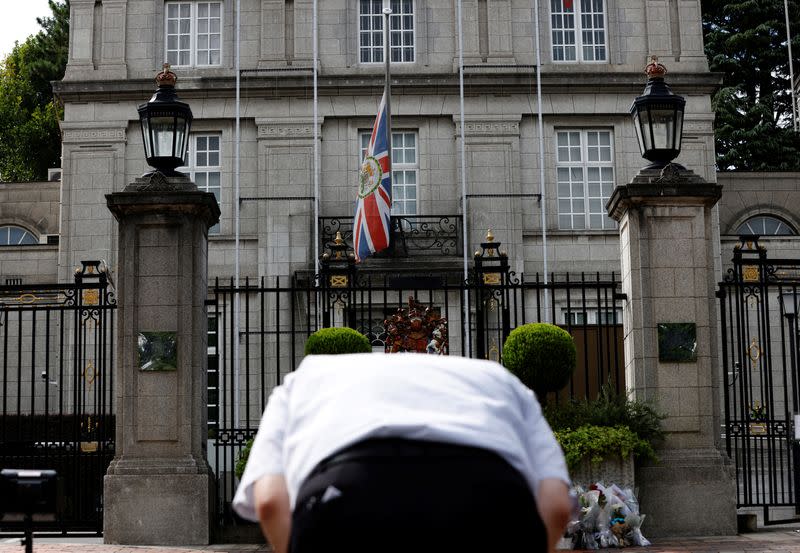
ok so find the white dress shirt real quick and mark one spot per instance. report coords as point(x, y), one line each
point(332, 401)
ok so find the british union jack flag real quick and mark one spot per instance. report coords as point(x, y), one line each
point(374, 204)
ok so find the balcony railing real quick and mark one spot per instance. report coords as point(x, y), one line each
point(411, 235)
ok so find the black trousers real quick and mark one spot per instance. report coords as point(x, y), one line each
point(390, 495)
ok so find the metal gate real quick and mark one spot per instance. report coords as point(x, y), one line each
point(758, 299)
point(277, 316)
point(56, 359)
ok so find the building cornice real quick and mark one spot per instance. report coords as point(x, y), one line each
point(289, 85)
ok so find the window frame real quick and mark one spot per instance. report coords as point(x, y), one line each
point(6, 241)
point(585, 165)
point(578, 30)
point(192, 168)
point(375, 53)
point(763, 216)
point(193, 33)
point(591, 316)
point(404, 168)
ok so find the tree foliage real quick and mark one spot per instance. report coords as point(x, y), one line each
point(746, 41)
point(30, 141)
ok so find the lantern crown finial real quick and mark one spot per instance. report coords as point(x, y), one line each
point(655, 69)
point(166, 77)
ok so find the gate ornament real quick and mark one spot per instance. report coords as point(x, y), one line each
point(754, 353)
point(416, 328)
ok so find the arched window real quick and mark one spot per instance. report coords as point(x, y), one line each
point(16, 236)
point(766, 225)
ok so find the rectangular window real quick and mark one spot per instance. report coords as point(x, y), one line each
point(405, 169)
point(578, 30)
point(577, 317)
point(401, 31)
point(193, 33)
point(584, 178)
point(204, 166)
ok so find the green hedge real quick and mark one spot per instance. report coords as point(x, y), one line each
point(332, 341)
point(609, 409)
point(541, 355)
point(596, 443)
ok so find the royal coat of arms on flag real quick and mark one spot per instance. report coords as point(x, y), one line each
point(371, 226)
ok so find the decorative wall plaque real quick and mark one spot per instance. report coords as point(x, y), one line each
point(158, 351)
point(677, 342)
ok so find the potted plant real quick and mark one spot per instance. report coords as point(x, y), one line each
point(603, 437)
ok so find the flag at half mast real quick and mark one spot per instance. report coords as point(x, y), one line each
point(372, 222)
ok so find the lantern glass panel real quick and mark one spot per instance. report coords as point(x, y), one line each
point(638, 126)
point(643, 128)
point(663, 124)
point(180, 138)
point(146, 136)
point(678, 128)
point(162, 130)
point(789, 301)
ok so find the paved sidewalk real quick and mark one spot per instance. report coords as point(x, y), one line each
point(771, 540)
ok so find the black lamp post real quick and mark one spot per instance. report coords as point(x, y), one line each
point(165, 124)
point(789, 301)
point(658, 118)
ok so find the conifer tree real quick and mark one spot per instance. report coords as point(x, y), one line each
point(745, 40)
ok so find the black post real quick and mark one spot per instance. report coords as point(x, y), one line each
point(28, 540)
point(795, 444)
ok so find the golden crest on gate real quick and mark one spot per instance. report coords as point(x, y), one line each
point(91, 297)
point(750, 273)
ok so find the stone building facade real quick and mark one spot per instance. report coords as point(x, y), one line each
point(592, 55)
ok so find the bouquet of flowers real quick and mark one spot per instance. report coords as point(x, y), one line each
point(609, 517)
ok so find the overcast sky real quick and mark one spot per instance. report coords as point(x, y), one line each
point(18, 21)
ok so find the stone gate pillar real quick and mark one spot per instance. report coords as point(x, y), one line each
point(671, 346)
point(158, 489)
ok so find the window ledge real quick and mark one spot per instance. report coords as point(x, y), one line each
point(562, 232)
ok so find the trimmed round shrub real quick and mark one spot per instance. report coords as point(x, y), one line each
point(332, 341)
point(541, 355)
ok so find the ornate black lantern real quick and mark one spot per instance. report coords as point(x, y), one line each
point(491, 264)
point(165, 124)
point(658, 117)
point(338, 266)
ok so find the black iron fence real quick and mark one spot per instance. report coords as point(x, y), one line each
point(56, 355)
point(759, 328)
point(276, 316)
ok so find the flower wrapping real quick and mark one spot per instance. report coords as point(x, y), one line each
point(608, 517)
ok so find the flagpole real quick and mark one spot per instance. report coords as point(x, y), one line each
point(542, 190)
point(795, 122)
point(387, 87)
point(465, 298)
point(315, 40)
